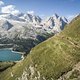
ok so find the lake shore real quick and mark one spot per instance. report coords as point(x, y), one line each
point(21, 53)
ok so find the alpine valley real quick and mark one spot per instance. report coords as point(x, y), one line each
point(57, 58)
point(50, 47)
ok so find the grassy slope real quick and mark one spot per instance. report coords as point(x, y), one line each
point(53, 57)
point(5, 65)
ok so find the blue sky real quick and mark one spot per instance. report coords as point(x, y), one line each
point(47, 7)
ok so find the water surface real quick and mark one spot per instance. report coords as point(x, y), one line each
point(8, 55)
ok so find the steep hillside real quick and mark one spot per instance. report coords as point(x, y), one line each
point(50, 59)
point(74, 74)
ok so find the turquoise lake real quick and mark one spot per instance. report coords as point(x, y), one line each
point(8, 55)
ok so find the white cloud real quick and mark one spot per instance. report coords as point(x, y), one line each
point(7, 9)
point(1, 3)
point(10, 9)
point(30, 12)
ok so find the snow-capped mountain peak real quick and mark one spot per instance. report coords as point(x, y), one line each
point(26, 25)
point(32, 18)
point(9, 16)
point(55, 16)
point(55, 23)
point(6, 25)
point(65, 19)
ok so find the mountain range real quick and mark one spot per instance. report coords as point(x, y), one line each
point(17, 25)
point(28, 27)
